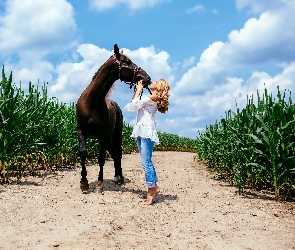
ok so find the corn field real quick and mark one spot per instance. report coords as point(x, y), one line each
point(38, 132)
point(254, 147)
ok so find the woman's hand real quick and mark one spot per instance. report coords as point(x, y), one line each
point(139, 85)
point(138, 89)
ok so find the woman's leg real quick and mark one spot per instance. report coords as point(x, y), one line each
point(145, 147)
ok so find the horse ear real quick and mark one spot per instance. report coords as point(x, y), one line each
point(116, 50)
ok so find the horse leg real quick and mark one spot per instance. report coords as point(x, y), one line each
point(116, 153)
point(119, 179)
point(84, 186)
point(101, 162)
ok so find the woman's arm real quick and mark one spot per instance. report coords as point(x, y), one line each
point(136, 102)
point(139, 88)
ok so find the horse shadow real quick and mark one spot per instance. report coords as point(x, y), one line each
point(110, 186)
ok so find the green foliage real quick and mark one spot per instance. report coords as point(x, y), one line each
point(254, 147)
point(39, 132)
point(34, 130)
point(171, 142)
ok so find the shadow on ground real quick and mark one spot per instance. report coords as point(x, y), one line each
point(110, 186)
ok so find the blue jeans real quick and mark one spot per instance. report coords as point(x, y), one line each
point(145, 147)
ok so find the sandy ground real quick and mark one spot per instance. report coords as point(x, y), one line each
point(193, 211)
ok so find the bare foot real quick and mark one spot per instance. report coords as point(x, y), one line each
point(156, 191)
point(149, 200)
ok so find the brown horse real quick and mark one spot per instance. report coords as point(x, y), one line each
point(101, 118)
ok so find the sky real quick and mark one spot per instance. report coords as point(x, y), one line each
point(213, 53)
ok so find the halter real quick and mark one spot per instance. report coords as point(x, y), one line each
point(135, 72)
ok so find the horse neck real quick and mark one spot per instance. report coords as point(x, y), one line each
point(101, 83)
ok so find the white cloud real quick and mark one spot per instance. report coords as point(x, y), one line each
point(285, 79)
point(77, 75)
point(261, 6)
point(102, 5)
point(38, 71)
point(42, 26)
point(200, 77)
point(270, 38)
point(154, 63)
point(197, 8)
point(188, 62)
point(193, 112)
point(210, 88)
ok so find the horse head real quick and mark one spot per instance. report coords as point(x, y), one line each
point(129, 72)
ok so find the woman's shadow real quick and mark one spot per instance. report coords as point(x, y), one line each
point(110, 186)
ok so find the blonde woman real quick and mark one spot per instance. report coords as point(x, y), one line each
point(145, 131)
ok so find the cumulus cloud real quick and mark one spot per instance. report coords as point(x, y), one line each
point(154, 63)
point(192, 113)
point(270, 38)
point(102, 5)
point(201, 77)
point(38, 70)
point(73, 77)
point(212, 87)
point(42, 26)
point(29, 32)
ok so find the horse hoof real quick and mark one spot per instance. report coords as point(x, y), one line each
point(118, 180)
point(98, 188)
point(84, 186)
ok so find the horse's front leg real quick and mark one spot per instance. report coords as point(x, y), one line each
point(84, 186)
point(116, 153)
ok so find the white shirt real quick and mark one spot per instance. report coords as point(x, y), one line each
point(145, 126)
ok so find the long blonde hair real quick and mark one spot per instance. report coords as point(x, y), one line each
point(163, 95)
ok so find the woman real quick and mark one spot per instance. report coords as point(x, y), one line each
point(144, 130)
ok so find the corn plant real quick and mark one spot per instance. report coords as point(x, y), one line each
point(254, 147)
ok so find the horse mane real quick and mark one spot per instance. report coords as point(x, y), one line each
point(98, 71)
point(105, 63)
point(95, 74)
point(110, 92)
point(107, 97)
point(126, 56)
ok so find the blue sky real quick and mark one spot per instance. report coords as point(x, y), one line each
point(213, 53)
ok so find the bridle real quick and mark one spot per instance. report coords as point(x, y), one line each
point(135, 72)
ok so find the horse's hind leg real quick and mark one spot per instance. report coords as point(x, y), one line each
point(84, 186)
point(119, 179)
point(116, 154)
point(101, 162)
point(115, 148)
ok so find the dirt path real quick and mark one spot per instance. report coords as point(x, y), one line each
point(193, 211)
